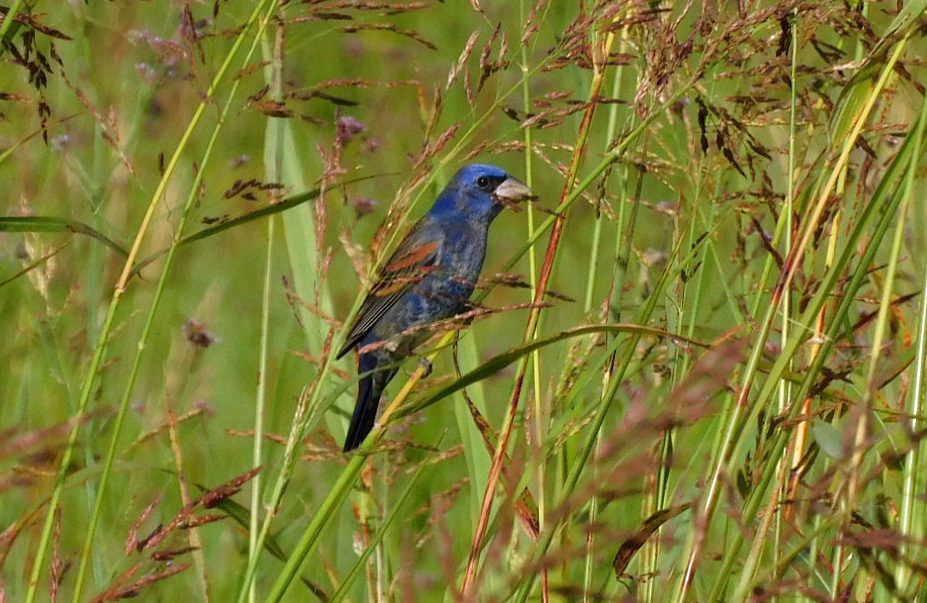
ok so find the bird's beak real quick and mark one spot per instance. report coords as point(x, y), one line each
point(512, 191)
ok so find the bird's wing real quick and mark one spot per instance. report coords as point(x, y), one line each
point(412, 260)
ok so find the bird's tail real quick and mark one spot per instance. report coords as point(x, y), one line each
point(372, 384)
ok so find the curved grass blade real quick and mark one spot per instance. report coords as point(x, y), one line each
point(288, 203)
point(497, 363)
point(633, 543)
point(54, 224)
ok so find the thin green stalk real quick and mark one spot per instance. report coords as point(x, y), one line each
point(736, 313)
point(886, 300)
point(101, 344)
point(651, 550)
point(273, 171)
point(911, 521)
point(539, 418)
point(784, 385)
point(377, 538)
point(306, 408)
point(95, 289)
point(593, 262)
point(257, 458)
point(784, 226)
point(610, 133)
point(8, 19)
point(593, 511)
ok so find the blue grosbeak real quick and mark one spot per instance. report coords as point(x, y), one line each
point(430, 277)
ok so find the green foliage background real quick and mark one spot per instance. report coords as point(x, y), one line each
point(739, 185)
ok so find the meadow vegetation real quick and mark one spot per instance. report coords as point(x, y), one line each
point(694, 369)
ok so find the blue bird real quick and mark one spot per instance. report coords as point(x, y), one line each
point(430, 277)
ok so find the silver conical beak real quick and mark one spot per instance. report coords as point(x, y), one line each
point(512, 190)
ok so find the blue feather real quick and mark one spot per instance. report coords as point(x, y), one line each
point(429, 277)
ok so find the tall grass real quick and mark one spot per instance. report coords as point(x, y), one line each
point(694, 369)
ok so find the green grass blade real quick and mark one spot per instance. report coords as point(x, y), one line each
point(53, 224)
point(377, 537)
point(501, 361)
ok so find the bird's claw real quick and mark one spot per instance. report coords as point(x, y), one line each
point(426, 366)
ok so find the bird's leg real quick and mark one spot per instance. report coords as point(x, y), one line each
point(468, 313)
point(426, 366)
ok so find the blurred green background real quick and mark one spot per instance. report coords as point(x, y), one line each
point(700, 183)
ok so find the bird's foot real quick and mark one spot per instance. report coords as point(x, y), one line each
point(465, 317)
point(425, 364)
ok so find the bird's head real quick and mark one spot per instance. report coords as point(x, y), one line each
point(480, 191)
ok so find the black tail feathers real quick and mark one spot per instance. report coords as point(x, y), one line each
point(368, 399)
point(365, 412)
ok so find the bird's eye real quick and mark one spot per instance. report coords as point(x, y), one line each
point(482, 182)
